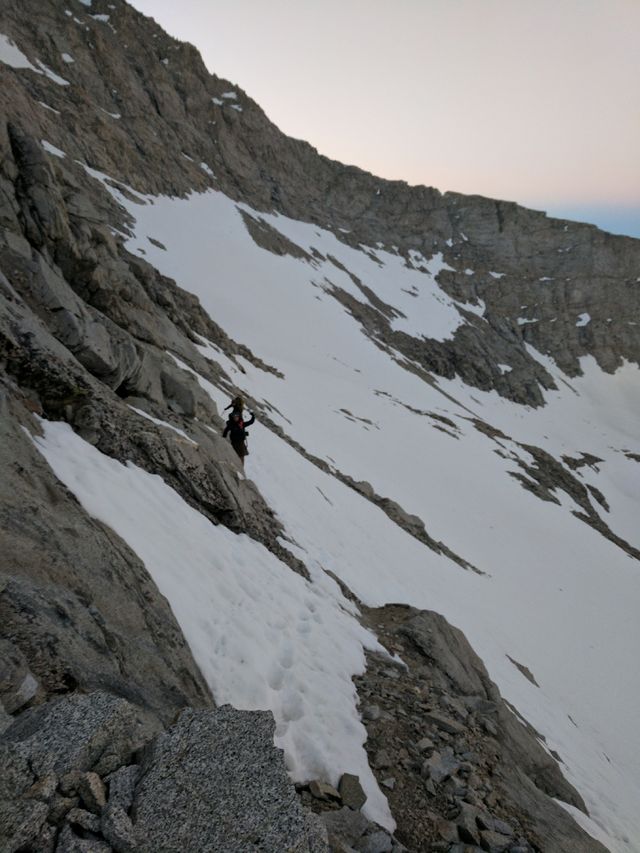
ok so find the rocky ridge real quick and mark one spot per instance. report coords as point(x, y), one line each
point(462, 772)
point(460, 766)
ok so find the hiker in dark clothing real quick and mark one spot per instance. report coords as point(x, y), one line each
point(236, 428)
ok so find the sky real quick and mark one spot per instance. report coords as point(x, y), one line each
point(534, 101)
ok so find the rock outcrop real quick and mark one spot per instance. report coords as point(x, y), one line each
point(458, 765)
point(215, 781)
point(84, 773)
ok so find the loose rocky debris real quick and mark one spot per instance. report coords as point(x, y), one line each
point(339, 812)
point(84, 773)
point(461, 772)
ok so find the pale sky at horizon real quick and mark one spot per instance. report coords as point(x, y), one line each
point(535, 101)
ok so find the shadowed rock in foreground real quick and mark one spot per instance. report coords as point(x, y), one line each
point(213, 781)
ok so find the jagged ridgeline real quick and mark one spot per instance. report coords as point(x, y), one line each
point(201, 656)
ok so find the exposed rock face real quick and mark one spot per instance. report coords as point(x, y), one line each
point(43, 749)
point(65, 359)
point(75, 601)
point(545, 476)
point(213, 781)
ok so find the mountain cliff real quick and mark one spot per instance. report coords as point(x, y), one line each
point(447, 394)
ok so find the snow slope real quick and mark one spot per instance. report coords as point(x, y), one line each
point(254, 626)
point(555, 595)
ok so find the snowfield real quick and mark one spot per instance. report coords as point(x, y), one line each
point(553, 594)
point(262, 635)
